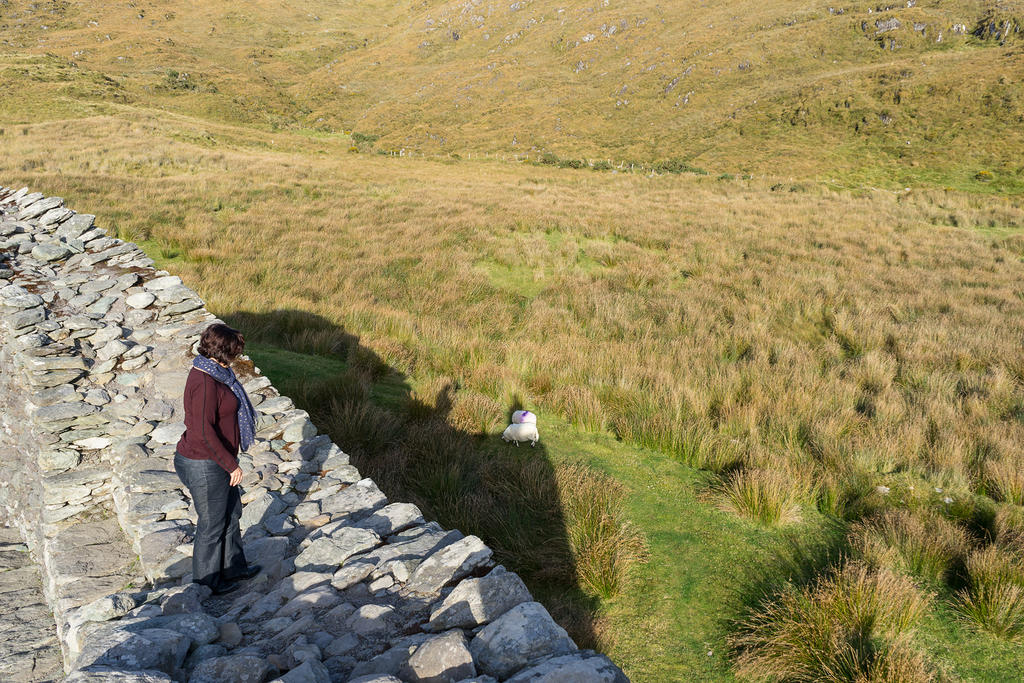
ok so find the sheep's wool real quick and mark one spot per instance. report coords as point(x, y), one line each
point(521, 432)
point(524, 417)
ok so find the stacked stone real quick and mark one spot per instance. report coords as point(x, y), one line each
point(353, 587)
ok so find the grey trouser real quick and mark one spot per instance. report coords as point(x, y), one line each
point(217, 549)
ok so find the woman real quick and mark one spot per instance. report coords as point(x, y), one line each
point(218, 420)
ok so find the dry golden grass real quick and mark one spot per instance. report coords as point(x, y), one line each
point(1009, 529)
point(923, 545)
point(768, 497)
point(784, 87)
point(852, 625)
point(994, 597)
point(725, 322)
point(605, 546)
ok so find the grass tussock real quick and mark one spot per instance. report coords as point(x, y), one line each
point(851, 625)
point(923, 545)
point(1005, 478)
point(768, 497)
point(605, 546)
point(994, 597)
point(1008, 529)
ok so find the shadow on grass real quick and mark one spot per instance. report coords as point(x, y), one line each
point(472, 482)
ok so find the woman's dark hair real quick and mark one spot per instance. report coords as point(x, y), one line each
point(221, 343)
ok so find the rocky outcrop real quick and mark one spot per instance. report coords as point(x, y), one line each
point(95, 350)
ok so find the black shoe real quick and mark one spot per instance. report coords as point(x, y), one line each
point(224, 587)
point(247, 573)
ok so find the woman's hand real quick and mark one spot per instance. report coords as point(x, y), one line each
point(236, 476)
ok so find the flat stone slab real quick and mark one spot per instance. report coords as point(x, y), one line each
point(521, 636)
point(29, 650)
point(580, 667)
point(479, 601)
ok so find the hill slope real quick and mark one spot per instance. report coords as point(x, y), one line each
point(894, 94)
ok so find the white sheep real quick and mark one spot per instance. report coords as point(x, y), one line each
point(521, 432)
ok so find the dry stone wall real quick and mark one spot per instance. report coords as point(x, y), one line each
point(94, 350)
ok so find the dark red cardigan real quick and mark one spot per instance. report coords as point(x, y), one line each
point(211, 421)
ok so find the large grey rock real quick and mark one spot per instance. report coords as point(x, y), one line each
point(580, 667)
point(23, 198)
point(393, 661)
point(200, 628)
point(106, 334)
point(63, 411)
point(232, 669)
point(358, 500)
point(230, 634)
point(522, 635)
point(449, 564)
point(267, 551)
point(330, 552)
point(372, 619)
point(174, 294)
point(183, 307)
point(152, 648)
point(278, 404)
point(299, 430)
point(442, 659)
point(57, 459)
point(97, 285)
point(163, 282)
point(101, 306)
point(75, 226)
point(262, 508)
point(50, 251)
point(479, 601)
point(26, 317)
point(392, 518)
point(109, 674)
point(204, 652)
point(106, 608)
point(150, 481)
point(112, 349)
point(24, 301)
point(168, 432)
point(310, 671)
point(58, 394)
point(300, 582)
point(37, 361)
point(140, 299)
point(38, 208)
point(51, 378)
point(335, 460)
point(256, 383)
point(352, 573)
point(318, 598)
point(403, 553)
point(54, 217)
point(187, 599)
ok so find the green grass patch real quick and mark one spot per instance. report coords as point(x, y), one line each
point(522, 280)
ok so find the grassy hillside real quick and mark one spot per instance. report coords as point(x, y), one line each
point(889, 95)
point(781, 402)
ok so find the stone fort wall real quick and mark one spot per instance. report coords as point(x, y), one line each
point(95, 346)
